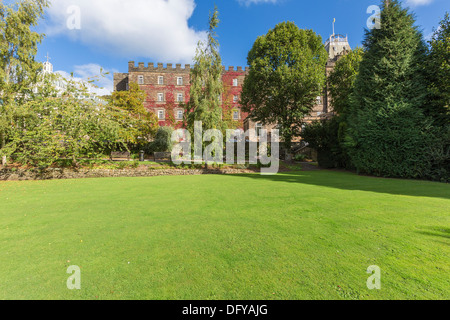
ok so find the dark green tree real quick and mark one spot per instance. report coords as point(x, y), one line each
point(287, 73)
point(438, 69)
point(323, 137)
point(388, 133)
point(438, 104)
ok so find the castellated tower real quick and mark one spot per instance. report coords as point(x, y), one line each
point(337, 45)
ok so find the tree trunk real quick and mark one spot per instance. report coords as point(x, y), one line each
point(2, 140)
point(287, 146)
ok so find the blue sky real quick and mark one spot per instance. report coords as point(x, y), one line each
point(113, 32)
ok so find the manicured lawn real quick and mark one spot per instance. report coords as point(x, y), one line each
point(302, 235)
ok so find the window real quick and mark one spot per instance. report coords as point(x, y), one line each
point(235, 82)
point(179, 81)
point(161, 115)
point(235, 114)
point(235, 99)
point(180, 97)
point(160, 97)
point(318, 100)
point(180, 114)
point(160, 80)
point(140, 79)
point(127, 87)
point(258, 127)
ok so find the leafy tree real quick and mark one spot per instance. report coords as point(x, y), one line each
point(47, 129)
point(341, 80)
point(287, 73)
point(18, 47)
point(206, 83)
point(388, 133)
point(438, 68)
point(41, 124)
point(163, 140)
point(132, 101)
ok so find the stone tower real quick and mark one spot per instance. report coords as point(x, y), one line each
point(337, 45)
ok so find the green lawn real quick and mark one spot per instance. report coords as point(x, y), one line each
point(297, 235)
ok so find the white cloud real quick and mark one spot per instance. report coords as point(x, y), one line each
point(146, 28)
point(91, 71)
point(250, 2)
point(416, 3)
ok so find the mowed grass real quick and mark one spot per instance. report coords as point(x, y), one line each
point(297, 235)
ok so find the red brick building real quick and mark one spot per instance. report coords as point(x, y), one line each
point(167, 87)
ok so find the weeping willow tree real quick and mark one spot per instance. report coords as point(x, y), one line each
point(206, 84)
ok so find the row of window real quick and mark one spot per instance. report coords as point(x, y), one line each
point(160, 80)
point(180, 98)
point(179, 80)
point(162, 115)
point(179, 115)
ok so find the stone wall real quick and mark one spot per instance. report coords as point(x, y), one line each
point(7, 174)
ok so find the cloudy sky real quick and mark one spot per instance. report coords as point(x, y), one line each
point(84, 35)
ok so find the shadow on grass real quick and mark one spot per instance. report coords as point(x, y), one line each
point(440, 232)
point(352, 181)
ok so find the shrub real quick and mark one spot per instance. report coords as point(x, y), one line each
point(323, 137)
point(163, 141)
point(300, 157)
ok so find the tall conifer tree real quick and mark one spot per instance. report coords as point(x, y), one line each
point(388, 132)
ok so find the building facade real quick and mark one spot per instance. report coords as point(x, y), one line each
point(167, 88)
